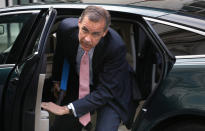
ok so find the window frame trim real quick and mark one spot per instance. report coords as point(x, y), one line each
point(190, 56)
point(19, 12)
point(6, 65)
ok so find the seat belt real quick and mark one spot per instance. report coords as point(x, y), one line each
point(64, 81)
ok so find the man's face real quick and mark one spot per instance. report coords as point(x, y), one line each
point(90, 33)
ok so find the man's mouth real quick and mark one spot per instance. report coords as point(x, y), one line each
point(86, 45)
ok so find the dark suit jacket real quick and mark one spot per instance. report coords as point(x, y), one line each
point(111, 78)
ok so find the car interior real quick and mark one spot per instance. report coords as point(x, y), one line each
point(142, 54)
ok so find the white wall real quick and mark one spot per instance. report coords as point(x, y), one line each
point(2, 3)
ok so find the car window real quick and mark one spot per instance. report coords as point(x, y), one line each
point(125, 30)
point(10, 27)
point(179, 41)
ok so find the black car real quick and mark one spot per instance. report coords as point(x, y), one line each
point(164, 47)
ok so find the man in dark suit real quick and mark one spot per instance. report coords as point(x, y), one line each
point(109, 79)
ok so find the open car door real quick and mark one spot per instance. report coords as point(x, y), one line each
point(20, 92)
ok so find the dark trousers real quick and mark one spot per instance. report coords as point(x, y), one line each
point(107, 120)
point(66, 123)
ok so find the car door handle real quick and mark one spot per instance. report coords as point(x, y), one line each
point(14, 80)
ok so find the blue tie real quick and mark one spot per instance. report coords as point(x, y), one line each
point(64, 81)
point(65, 74)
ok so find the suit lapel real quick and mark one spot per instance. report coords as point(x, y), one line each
point(74, 46)
point(98, 55)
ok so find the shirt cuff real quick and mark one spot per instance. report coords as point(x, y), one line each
point(71, 107)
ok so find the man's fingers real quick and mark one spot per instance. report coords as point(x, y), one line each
point(53, 108)
point(44, 105)
point(57, 87)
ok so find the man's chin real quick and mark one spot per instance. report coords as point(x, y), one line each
point(86, 48)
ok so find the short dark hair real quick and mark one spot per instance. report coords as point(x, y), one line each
point(95, 14)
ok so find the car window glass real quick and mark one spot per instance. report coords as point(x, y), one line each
point(179, 41)
point(10, 27)
point(125, 30)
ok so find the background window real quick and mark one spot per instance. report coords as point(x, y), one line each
point(7, 38)
point(10, 27)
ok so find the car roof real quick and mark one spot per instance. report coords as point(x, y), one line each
point(140, 10)
point(163, 14)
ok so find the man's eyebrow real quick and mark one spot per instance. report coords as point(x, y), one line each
point(86, 29)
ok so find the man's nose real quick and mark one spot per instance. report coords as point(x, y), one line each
point(88, 38)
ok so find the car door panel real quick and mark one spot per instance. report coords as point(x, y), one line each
point(18, 22)
point(4, 69)
point(17, 89)
point(153, 59)
point(22, 110)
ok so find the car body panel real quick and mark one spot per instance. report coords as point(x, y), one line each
point(4, 72)
point(5, 69)
point(180, 93)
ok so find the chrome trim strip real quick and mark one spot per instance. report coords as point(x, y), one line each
point(190, 56)
point(176, 25)
point(143, 109)
point(188, 63)
point(133, 51)
point(36, 53)
point(7, 65)
point(20, 12)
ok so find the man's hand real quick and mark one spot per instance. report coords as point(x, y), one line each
point(56, 89)
point(55, 109)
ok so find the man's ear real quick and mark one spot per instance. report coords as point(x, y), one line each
point(105, 32)
point(79, 22)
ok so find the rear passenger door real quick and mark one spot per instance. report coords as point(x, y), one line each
point(20, 90)
point(181, 92)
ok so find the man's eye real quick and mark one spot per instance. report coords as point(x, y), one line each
point(84, 30)
point(96, 34)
